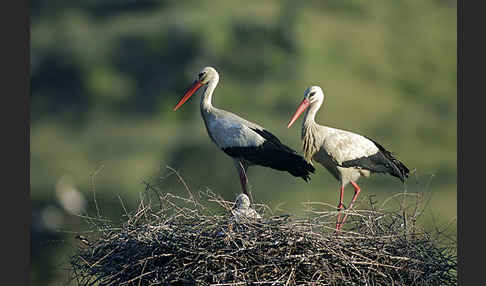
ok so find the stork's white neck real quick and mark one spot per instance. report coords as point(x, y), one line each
point(206, 98)
point(311, 112)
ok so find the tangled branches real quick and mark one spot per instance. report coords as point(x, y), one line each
point(197, 241)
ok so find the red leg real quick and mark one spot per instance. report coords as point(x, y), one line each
point(243, 179)
point(357, 190)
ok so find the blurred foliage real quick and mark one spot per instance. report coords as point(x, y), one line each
point(106, 74)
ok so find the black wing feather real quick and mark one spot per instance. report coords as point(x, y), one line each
point(380, 162)
point(272, 153)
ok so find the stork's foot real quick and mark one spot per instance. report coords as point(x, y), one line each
point(339, 222)
point(338, 228)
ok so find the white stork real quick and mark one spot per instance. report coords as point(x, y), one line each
point(346, 155)
point(246, 142)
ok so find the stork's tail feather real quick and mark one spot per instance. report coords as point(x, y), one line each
point(380, 162)
point(398, 169)
point(294, 164)
point(402, 169)
point(276, 157)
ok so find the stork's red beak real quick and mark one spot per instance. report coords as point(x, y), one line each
point(194, 87)
point(303, 106)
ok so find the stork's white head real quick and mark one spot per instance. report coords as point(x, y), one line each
point(312, 95)
point(205, 76)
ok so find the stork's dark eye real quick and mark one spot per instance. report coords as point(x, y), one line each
point(312, 93)
point(201, 74)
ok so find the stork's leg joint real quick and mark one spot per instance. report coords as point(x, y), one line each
point(340, 207)
point(357, 190)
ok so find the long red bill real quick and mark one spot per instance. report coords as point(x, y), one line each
point(194, 87)
point(303, 106)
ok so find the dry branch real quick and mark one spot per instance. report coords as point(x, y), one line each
point(196, 241)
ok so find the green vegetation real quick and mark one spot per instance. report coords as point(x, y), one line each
point(105, 76)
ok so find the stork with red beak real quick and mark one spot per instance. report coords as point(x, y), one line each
point(346, 155)
point(246, 142)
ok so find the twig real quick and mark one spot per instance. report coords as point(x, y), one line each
point(92, 178)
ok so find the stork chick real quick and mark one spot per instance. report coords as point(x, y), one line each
point(242, 210)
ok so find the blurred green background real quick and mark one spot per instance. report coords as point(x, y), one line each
point(105, 75)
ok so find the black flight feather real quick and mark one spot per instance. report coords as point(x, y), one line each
point(380, 162)
point(272, 153)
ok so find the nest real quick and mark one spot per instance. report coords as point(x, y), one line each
point(174, 240)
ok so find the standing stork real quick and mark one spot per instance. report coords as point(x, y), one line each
point(346, 155)
point(246, 142)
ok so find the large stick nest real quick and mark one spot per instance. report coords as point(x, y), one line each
point(197, 240)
